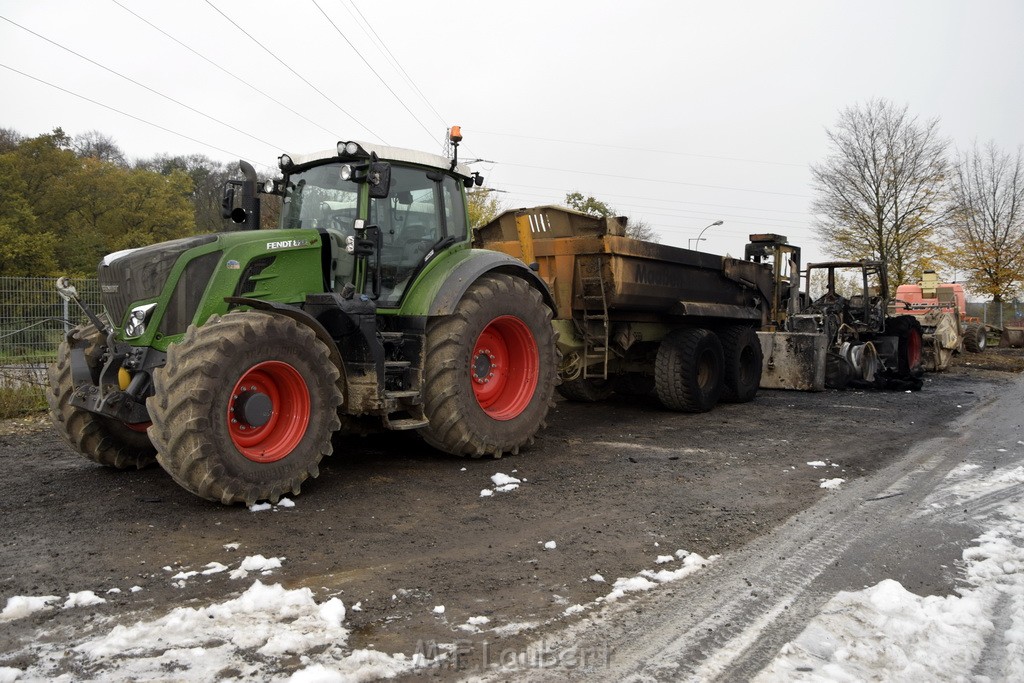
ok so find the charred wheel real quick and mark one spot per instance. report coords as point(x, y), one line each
point(490, 370)
point(907, 330)
point(742, 370)
point(245, 408)
point(688, 372)
point(99, 438)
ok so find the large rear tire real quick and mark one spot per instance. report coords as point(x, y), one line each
point(245, 407)
point(99, 438)
point(490, 369)
point(975, 337)
point(688, 370)
point(743, 358)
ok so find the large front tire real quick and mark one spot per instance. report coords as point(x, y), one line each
point(490, 369)
point(245, 407)
point(99, 438)
point(688, 371)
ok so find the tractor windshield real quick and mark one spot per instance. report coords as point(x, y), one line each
point(319, 198)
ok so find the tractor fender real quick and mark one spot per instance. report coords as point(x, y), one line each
point(470, 270)
point(296, 314)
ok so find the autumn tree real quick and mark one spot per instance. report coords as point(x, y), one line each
point(879, 193)
point(986, 229)
point(483, 207)
point(637, 229)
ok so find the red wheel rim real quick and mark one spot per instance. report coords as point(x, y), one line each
point(504, 368)
point(913, 349)
point(268, 412)
point(140, 427)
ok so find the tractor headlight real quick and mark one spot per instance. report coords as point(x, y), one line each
point(138, 319)
point(346, 172)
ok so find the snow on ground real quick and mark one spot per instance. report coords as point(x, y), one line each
point(885, 632)
point(20, 606)
point(832, 484)
point(646, 579)
point(257, 634)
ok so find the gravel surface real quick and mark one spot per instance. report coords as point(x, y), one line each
point(402, 529)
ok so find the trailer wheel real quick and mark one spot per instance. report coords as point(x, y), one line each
point(975, 338)
point(99, 438)
point(743, 358)
point(587, 390)
point(907, 329)
point(688, 370)
point(490, 369)
point(245, 407)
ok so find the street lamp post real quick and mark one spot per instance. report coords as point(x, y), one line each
point(700, 237)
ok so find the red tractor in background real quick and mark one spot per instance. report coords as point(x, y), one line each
point(941, 309)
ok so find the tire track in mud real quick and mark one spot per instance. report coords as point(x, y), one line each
point(730, 620)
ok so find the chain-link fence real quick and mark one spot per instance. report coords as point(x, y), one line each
point(33, 320)
point(997, 314)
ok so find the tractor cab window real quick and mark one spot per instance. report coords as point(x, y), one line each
point(410, 223)
point(319, 198)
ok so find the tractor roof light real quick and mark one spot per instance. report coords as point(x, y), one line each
point(285, 162)
point(346, 172)
point(351, 149)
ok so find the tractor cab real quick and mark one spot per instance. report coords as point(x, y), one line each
point(384, 213)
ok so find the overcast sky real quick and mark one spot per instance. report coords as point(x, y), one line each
point(679, 113)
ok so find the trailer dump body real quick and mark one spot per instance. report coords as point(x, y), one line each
point(640, 317)
point(642, 280)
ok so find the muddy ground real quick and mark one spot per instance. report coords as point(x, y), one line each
point(401, 528)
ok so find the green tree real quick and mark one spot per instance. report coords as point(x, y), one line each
point(879, 194)
point(483, 207)
point(637, 229)
point(24, 251)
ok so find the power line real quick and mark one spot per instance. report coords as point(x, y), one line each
point(642, 149)
point(132, 116)
point(394, 60)
point(141, 85)
point(656, 180)
point(370, 67)
point(674, 201)
point(300, 76)
point(232, 75)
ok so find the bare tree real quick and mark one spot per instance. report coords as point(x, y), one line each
point(879, 194)
point(96, 145)
point(986, 230)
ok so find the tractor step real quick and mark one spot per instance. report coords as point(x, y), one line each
point(406, 423)
point(408, 393)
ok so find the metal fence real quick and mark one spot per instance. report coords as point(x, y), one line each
point(33, 321)
point(997, 314)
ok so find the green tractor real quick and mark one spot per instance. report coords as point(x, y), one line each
point(232, 359)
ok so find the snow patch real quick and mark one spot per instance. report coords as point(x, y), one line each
point(550, 545)
point(20, 606)
point(82, 599)
point(832, 484)
point(597, 578)
point(256, 563)
point(817, 463)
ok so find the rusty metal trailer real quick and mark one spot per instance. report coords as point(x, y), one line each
point(638, 317)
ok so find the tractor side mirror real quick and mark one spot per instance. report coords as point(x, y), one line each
point(379, 178)
point(227, 203)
